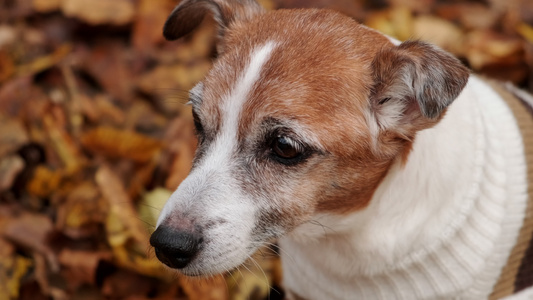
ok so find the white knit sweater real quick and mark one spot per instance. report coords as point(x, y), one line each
point(440, 227)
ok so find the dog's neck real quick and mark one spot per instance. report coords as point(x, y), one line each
point(432, 224)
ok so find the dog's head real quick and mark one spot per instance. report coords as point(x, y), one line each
point(303, 112)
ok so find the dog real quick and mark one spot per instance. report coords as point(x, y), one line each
point(385, 170)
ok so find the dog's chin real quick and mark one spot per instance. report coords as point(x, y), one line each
point(208, 267)
point(205, 273)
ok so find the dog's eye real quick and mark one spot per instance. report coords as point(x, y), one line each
point(286, 148)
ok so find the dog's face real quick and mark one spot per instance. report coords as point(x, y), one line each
point(302, 113)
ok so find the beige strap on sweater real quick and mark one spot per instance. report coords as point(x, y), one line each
point(518, 272)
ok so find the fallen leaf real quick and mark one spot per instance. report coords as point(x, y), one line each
point(181, 166)
point(255, 279)
point(10, 167)
point(348, 7)
point(63, 143)
point(7, 66)
point(396, 22)
point(151, 16)
point(45, 6)
point(171, 83)
point(81, 266)
point(119, 203)
point(31, 231)
point(487, 47)
point(8, 35)
point(440, 32)
point(95, 12)
point(470, 15)
point(526, 31)
point(213, 288)
point(110, 67)
point(151, 204)
point(84, 206)
point(12, 135)
point(114, 142)
point(142, 117)
point(45, 62)
point(124, 283)
point(126, 233)
point(13, 268)
point(44, 182)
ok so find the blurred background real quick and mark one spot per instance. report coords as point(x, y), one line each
point(94, 133)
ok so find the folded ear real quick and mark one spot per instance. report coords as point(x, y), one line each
point(414, 83)
point(190, 13)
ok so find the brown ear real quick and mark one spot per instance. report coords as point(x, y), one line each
point(190, 13)
point(414, 83)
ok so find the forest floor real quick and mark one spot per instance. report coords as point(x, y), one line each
point(95, 136)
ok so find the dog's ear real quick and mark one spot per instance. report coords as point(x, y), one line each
point(190, 13)
point(414, 83)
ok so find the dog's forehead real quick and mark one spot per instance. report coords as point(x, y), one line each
point(317, 68)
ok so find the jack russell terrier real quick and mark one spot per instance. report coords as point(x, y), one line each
point(385, 170)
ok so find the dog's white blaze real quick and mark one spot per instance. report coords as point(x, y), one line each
point(211, 192)
point(233, 103)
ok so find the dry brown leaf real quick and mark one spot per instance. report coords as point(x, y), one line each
point(470, 15)
point(13, 95)
point(526, 31)
point(417, 6)
point(84, 206)
point(7, 66)
point(120, 205)
point(253, 281)
point(181, 166)
point(10, 167)
point(100, 108)
point(141, 116)
point(151, 16)
point(123, 284)
point(63, 143)
point(12, 269)
point(141, 178)
point(45, 6)
point(31, 231)
point(8, 35)
point(165, 79)
point(95, 12)
point(44, 62)
point(396, 22)
point(151, 204)
point(108, 110)
point(126, 233)
point(440, 32)
point(213, 288)
point(113, 142)
point(44, 182)
point(348, 7)
point(267, 4)
point(180, 129)
point(111, 68)
point(12, 135)
point(487, 47)
point(81, 266)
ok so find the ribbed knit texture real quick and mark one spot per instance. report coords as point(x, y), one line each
point(466, 260)
point(518, 272)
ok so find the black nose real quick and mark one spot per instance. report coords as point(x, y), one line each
point(175, 248)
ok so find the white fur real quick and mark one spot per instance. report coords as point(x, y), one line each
point(210, 192)
point(399, 246)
